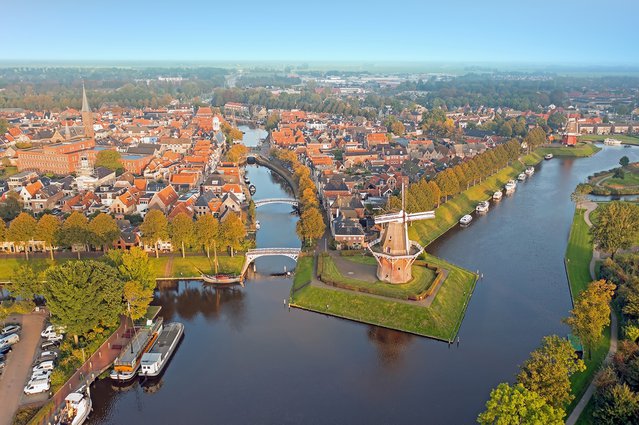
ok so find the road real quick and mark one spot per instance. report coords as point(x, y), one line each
point(19, 364)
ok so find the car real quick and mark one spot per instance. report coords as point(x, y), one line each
point(37, 387)
point(48, 355)
point(4, 350)
point(49, 345)
point(40, 374)
point(55, 338)
point(9, 340)
point(45, 365)
point(2, 365)
point(52, 330)
point(11, 329)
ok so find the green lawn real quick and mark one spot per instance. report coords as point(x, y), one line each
point(582, 149)
point(441, 320)
point(188, 267)
point(303, 272)
point(422, 279)
point(8, 265)
point(629, 140)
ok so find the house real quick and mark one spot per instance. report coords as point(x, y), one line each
point(348, 233)
point(164, 199)
point(47, 198)
point(126, 203)
point(185, 181)
point(29, 191)
point(230, 202)
point(235, 189)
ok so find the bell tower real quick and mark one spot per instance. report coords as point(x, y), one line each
point(87, 115)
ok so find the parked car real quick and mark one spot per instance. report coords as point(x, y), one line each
point(37, 387)
point(46, 365)
point(10, 329)
point(2, 366)
point(5, 349)
point(47, 355)
point(55, 338)
point(49, 345)
point(51, 330)
point(9, 340)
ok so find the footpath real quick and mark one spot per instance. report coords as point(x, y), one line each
point(585, 398)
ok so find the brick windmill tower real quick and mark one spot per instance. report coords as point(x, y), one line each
point(394, 252)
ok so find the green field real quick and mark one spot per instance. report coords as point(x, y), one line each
point(303, 273)
point(582, 149)
point(422, 279)
point(629, 140)
point(608, 184)
point(441, 320)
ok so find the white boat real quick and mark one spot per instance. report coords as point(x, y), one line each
point(510, 187)
point(77, 407)
point(530, 171)
point(157, 357)
point(465, 220)
point(127, 364)
point(548, 156)
point(497, 195)
point(612, 142)
point(521, 177)
point(257, 225)
point(482, 207)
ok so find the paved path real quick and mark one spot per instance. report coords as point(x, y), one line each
point(585, 398)
point(19, 364)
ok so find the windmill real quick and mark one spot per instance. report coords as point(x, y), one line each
point(394, 251)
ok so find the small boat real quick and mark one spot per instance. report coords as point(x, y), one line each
point(530, 171)
point(612, 142)
point(497, 195)
point(247, 180)
point(521, 177)
point(257, 225)
point(77, 406)
point(221, 278)
point(627, 146)
point(510, 187)
point(548, 156)
point(252, 189)
point(157, 357)
point(465, 220)
point(482, 207)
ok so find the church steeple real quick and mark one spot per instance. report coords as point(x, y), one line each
point(87, 115)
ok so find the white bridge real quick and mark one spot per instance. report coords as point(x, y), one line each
point(289, 201)
point(252, 254)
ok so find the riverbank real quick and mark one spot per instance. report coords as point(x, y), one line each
point(626, 140)
point(581, 150)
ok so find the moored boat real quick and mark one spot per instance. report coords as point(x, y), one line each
point(529, 171)
point(521, 177)
point(127, 364)
point(482, 207)
point(154, 361)
point(257, 225)
point(221, 278)
point(77, 407)
point(612, 142)
point(497, 195)
point(465, 220)
point(548, 156)
point(510, 186)
point(252, 189)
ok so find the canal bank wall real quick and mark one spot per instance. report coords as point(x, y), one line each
point(277, 167)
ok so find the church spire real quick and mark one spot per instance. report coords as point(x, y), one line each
point(87, 115)
point(85, 102)
point(67, 131)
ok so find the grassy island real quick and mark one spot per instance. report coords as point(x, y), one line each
point(582, 149)
point(618, 181)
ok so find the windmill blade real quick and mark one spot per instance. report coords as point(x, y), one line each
point(387, 218)
point(425, 215)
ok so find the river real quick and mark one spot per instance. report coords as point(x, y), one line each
point(247, 359)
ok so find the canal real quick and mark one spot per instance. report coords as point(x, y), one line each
point(246, 358)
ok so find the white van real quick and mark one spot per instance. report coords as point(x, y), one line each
point(9, 340)
point(52, 331)
point(37, 387)
point(48, 365)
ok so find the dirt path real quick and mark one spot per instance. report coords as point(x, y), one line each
point(168, 268)
point(19, 362)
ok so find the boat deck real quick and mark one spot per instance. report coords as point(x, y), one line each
point(131, 352)
point(165, 339)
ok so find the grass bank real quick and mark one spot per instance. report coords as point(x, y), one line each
point(441, 320)
point(628, 140)
point(303, 273)
point(582, 149)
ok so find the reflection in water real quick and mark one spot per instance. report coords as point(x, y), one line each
point(390, 345)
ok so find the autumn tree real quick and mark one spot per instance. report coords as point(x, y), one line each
point(517, 405)
point(154, 228)
point(110, 159)
point(617, 405)
point(236, 153)
point(616, 227)
point(47, 230)
point(207, 232)
point(182, 231)
point(10, 207)
point(232, 232)
point(591, 313)
point(548, 369)
point(311, 225)
point(103, 230)
point(75, 231)
point(22, 230)
point(82, 295)
point(135, 270)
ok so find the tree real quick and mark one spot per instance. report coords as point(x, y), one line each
point(207, 232)
point(447, 183)
point(110, 159)
point(548, 369)
point(397, 128)
point(154, 228)
point(517, 405)
point(135, 270)
point(103, 230)
point(236, 152)
point(272, 121)
point(309, 198)
point(591, 313)
point(24, 283)
point(82, 295)
point(181, 231)
point(311, 225)
point(624, 161)
point(616, 227)
point(10, 207)
point(75, 231)
point(22, 230)
point(556, 120)
point(435, 191)
point(232, 232)
point(617, 405)
point(47, 230)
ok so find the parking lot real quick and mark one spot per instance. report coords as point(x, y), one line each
point(19, 365)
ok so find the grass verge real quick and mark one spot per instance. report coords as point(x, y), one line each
point(629, 140)
point(582, 149)
point(303, 273)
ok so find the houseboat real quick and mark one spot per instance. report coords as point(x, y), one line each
point(510, 187)
point(521, 177)
point(548, 156)
point(76, 409)
point(612, 142)
point(154, 361)
point(482, 207)
point(465, 220)
point(497, 195)
point(127, 364)
point(529, 171)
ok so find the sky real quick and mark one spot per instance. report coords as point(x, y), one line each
point(469, 31)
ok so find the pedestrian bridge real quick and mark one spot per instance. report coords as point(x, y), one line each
point(289, 201)
point(252, 254)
